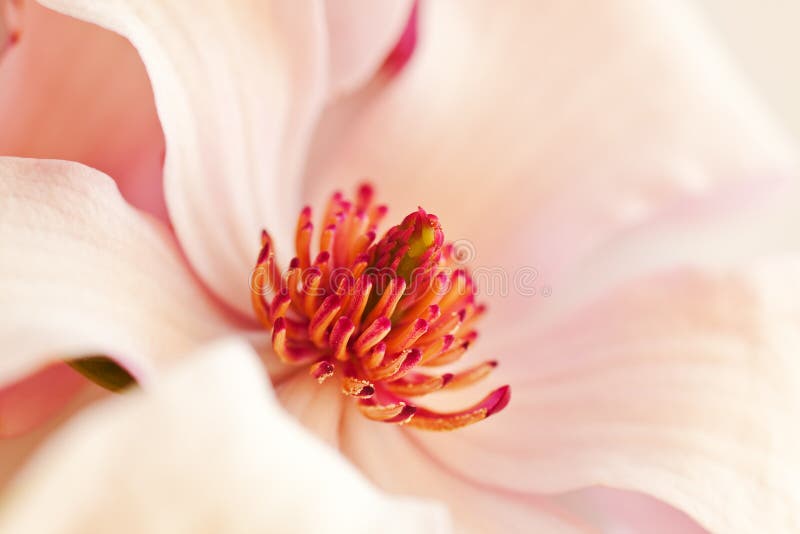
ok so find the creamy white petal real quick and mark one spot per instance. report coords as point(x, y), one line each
point(207, 450)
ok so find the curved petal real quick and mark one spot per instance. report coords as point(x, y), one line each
point(386, 455)
point(81, 272)
point(360, 34)
point(4, 28)
point(542, 131)
point(683, 386)
point(16, 450)
point(237, 86)
point(207, 449)
point(26, 404)
point(58, 101)
point(624, 512)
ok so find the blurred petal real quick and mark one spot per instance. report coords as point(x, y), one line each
point(4, 27)
point(16, 450)
point(361, 34)
point(683, 386)
point(71, 90)
point(238, 86)
point(83, 273)
point(29, 402)
point(624, 512)
point(205, 451)
point(541, 131)
point(388, 455)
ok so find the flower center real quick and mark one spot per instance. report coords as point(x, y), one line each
point(381, 315)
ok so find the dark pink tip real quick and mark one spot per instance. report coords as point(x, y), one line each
point(264, 253)
point(405, 414)
point(497, 400)
point(343, 327)
point(448, 341)
point(365, 392)
point(322, 370)
point(365, 191)
point(412, 359)
point(446, 378)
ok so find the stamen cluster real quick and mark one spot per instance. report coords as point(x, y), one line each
point(375, 313)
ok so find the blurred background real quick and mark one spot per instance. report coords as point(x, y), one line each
point(764, 38)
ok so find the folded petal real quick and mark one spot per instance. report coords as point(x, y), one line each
point(71, 90)
point(237, 86)
point(82, 273)
point(361, 34)
point(615, 511)
point(17, 449)
point(541, 132)
point(208, 449)
point(683, 386)
point(26, 404)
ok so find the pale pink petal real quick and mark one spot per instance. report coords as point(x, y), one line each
point(361, 34)
point(208, 450)
point(684, 386)
point(624, 512)
point(16, 450)
point(81, 272)
point(26, 404)
point(238, 86)
point(71, 90)
point(4, 27)
point(390, 458)
point(541, 131)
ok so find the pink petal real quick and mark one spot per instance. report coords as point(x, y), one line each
point(624, 512)
point(82, 273)
point(239, 86)
point(28, 403)
point(16, 450)
point(207, 449)
point(59, 100)
point(541, 132)
point(683, 386)
point(4, 28)
point(361, 34)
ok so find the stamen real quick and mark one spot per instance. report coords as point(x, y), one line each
point(375, 313)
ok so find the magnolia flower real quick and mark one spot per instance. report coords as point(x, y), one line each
point(608, 146)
